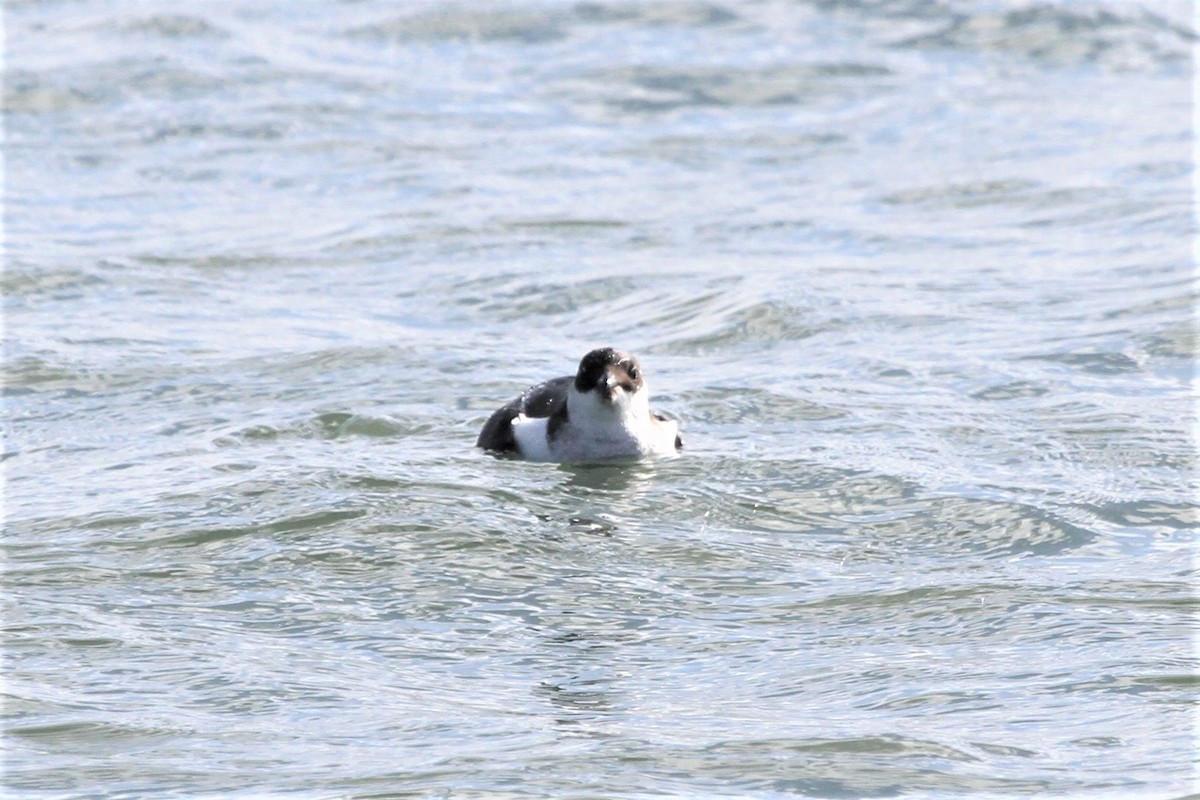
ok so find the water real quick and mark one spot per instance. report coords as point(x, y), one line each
point(916, 277)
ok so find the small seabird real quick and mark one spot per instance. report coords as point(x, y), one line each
point(603, 411)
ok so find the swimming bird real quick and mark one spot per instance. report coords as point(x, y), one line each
point(603, 411)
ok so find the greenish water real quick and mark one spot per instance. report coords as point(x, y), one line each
point(917, 279)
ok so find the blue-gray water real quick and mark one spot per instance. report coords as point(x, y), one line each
point(916, 277)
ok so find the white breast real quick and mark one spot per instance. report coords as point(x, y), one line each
point(597, 430)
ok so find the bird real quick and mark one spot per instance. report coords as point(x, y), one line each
point(601, 412)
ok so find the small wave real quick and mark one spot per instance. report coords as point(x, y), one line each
point(539, 25)
point(524, 25)
point(171, 26)
point(653, 89)
point(1129, 38)
point(1096, 363)
point(327, 425)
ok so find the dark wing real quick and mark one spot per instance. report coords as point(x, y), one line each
point(545, 398)
point(536, 401)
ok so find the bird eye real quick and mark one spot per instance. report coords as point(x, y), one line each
point(633, 373)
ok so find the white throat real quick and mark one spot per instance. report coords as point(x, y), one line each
point(625, 416)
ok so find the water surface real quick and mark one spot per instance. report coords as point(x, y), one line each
point(917, 279)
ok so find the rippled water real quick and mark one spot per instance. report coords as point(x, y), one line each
point(916, 277)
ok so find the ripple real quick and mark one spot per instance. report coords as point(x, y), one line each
point(653, 89)
point(328, 425)
point(173, 26)
point(1123, 39)
point(510, 299)
point(1149, 514)
point(967, 525)
point(1095, 363)
point(32, 93)
point(524, 25)
point(728, 405)
point(1011, 391)
point(769, 321)
point(537, 26)
point(85, 736)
